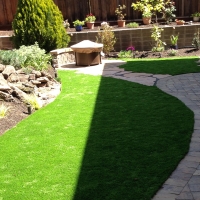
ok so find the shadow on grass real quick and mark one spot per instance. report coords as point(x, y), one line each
point(172, 66)
point(137, 137)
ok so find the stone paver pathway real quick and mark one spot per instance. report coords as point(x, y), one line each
point(184, 182)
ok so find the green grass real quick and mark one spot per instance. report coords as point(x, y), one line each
point(172, 66)
point(101, 139)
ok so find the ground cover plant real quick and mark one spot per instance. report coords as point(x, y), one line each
point(172, 66)
point(102, 139)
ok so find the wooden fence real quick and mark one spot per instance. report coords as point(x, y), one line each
point(104, 10)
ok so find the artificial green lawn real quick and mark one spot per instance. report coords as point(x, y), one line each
point(172, 66)
point(101, 139)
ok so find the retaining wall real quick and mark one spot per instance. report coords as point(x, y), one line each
point(140, 38)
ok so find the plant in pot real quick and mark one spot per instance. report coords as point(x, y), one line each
point(90, 19)
point(120, 12)
point(146, 17)
point(174, 40)
point(78, 25)
point(196, 16)
point(179, 22)
point(168, 11)
point(151, 6)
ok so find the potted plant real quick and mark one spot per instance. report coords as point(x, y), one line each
point(152, 6)
point(146, 17)
point(196, 16)
point(174, 40)
point(90, 19)
point(168, 11)
point(120, 12)
point(179, 22)
point(78, 25)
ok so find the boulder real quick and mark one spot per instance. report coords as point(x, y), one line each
point(13, 78)
point(9, 69)
point(2, 67)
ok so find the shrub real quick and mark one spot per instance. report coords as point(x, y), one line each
point(156, 35)
point(33, 101)
point(196, 40)
point(39, 21)
point(107, 38)
point(26, 57)
point(172, 52)
point(132, 25)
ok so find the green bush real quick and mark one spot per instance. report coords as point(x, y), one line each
point(26, 57)
point(107, 38)
point(39, 21)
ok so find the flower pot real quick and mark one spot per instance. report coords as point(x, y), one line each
point(195, 19)
point(174, 46)
point(146, 20)
point(179, 23)
point(90, 25)
point(78, 28)
point(121, 23)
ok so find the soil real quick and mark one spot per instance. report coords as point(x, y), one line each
point(18, 111)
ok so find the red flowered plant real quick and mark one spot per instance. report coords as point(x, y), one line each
point(90, 18)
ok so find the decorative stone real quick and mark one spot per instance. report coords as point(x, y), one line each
point(2, 67)
point(43, 79)
point(13, 78)
point(37, 73)
point(32, 77)
point(8, 70)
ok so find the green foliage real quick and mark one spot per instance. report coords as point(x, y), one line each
point(125, 54)
point(168, 10)
point(196, 14)
point(196, 40)
point(78, 23)
point(3, 110)
point(132, 25)
point(148, 5)
point(120, 12)
point(33, 101)
point(107, 38)
point(156, 35)
point(174, 39)
point(172, 52)
point(39, 21)
point(26, 57)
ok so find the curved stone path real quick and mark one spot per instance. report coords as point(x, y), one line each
point(184, 182)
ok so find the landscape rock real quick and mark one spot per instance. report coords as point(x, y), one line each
point(2, 67)
point(9, 69)
point(18, 84)
point(13, 78)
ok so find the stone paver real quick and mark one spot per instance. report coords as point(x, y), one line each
point(184, 182)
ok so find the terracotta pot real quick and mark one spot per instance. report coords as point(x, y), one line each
point(121, 23)
point(146, 20)
point(90, 25)
point(179, 23)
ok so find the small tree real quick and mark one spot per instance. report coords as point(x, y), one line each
point(152, 6)
point(107, 38)
point(39, 21)
point(156, 35)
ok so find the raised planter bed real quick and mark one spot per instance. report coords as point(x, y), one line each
point(138, 37)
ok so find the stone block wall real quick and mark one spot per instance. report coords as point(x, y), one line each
point(62, 57)
point(140, 38)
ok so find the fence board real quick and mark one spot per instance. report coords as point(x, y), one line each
point(104, 10)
